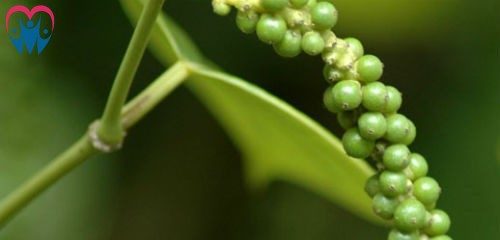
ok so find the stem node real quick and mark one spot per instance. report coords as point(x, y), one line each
point(100, 144)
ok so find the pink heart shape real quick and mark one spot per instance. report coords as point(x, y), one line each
point(29, 13)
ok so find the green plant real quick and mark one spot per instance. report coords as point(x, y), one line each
point(290, 30)
point(368, 110)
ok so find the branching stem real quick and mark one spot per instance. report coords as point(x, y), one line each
point(110, 129)
point(83, 149)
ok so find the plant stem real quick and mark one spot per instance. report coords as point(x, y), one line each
point(111, 130)
point(154, 94)
point(68, 160)
point(83, 149)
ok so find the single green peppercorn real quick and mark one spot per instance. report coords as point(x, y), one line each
point(426, 190)
point(290, 45)
point(347, 119)
point(329, 102)
point(369, 68)
point(271, 29)
point(331, 74)
point(439, 223)
point(397, 235)
point(375, 96)
point(221, 8)
point(410, 215)
point(347, 94)
point(372, 125)
point(383, 206)
point(372, 185)
point(247, 21)
point(273, 5)
point(394, 100)
point(393, 184)
point(324, 15)
point(418, 167)
point(355, 145)
point(397, 157)
point(398, 128)
point(355, 47)
point(298, 3)
point(412, 134)
point(442, 237)
point(312, 43)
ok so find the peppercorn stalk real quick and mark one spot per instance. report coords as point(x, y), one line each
point(365, 107)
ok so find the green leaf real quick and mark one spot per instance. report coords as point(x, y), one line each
point(277, 141)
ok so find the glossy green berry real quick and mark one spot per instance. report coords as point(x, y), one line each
point(439, 223)
point(426, 190)
point(355, 145)
point(355, 47)
point(312, 43)
point(398, 128)
point(221, 8)
point(271, 29)
point(273, 5)
point(372, 185)
point(247, 21)
point(372, 125)
point(331, 74)
point(397, 235)
point(298, 3)
point(290, 45)
point(397, 157)
point(329, 101)
point(418, 167)
point(369, 68)
point(375, 96)
point(412, 134)
point(384, 206)
point(410, 215)
point(347, 119)
point(393, 184)
point(324, 15)
point(442, 237)
point(347, 94)
point(394, 100)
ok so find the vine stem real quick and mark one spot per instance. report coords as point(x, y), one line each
point(82, 150)
point(62, 164)
point(110, 130)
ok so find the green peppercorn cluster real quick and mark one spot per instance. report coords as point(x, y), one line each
point(365, 107)
point(290, 26)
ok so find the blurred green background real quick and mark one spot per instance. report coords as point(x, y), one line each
point(179, 176)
